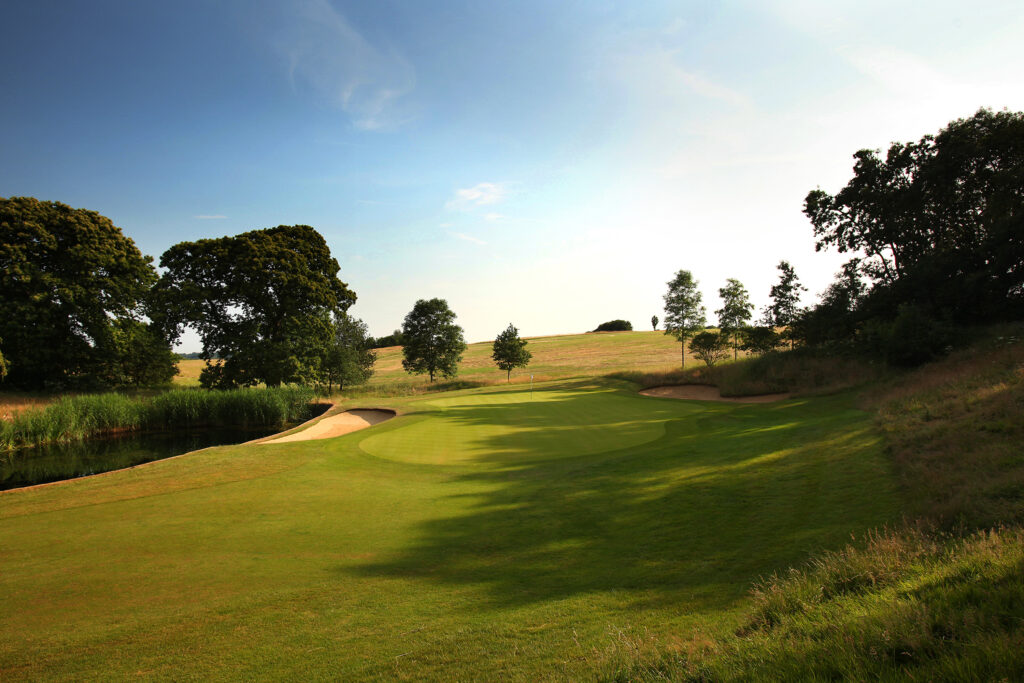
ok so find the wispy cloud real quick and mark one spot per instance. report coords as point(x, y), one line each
point(492, 217)
point(327, 53)
point(481, 194)
point(467, 238)
point(210, 217)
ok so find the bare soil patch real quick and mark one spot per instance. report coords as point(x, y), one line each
point(706, 392)
point(336, 425)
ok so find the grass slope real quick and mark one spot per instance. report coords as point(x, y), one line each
point(573, 355)
point(482, 534)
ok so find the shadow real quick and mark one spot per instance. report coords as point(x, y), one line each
point(581, 491)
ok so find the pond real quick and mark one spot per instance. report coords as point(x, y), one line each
point(55, 462)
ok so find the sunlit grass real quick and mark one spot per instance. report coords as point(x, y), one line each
point(483, 534)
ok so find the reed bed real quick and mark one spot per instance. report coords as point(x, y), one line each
point(84, 417)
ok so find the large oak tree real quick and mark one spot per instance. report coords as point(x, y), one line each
point(938, 222)
point(262, 303)
point(69, 279)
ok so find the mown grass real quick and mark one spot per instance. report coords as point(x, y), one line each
point(581, 532)
point(77, 418)
point(482, 534)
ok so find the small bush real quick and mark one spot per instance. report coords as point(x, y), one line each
point(710, 347)
point(615, 326)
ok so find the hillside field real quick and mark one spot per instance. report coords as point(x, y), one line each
point(571, 355)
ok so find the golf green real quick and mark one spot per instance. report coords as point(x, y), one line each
point(490, 533)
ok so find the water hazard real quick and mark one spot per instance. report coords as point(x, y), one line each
point(55, 462)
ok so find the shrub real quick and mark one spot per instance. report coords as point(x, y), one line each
point(615, 326)
point(911, 339)
point(709, 347)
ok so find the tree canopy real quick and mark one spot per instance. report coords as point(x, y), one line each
point(509, 351)
point(68, 277)
point(785, 295)
point(938, 222)
point(432, 343)
point(684, 313)
point(261, 302)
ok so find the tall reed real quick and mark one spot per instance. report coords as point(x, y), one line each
point(84, 417)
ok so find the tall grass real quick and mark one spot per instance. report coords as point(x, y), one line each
point(83, 417)
point(800, 371)
point(905, 605)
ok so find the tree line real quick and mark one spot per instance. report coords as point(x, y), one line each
point(81, 307)
point(935, 229)
point(936, 234)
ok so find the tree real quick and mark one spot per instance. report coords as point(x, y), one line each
point(3, 365)
point(67, 276)
point(684, 314)
point(834, 320)
point(936, 223)
point(785, 305)
point(348, 358)
point(615, 326)
point(509, 351)
point(760, 339)
point(654, 322)
point(735, 312)
point(261, 301)
point(139, 356)
point(393, 339)
point(709, 347)
point(433, 343)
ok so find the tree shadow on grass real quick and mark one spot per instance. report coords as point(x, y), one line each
point(714, 497)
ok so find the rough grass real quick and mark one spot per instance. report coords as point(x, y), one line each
point(799, 372)
point(956, 434)
point(940, 597)
point(905, 605)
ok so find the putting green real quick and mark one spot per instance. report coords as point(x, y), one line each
point(513, 427)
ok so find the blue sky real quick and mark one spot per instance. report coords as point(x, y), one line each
point(546, 164)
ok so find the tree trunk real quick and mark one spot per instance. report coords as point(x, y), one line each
point(683, 346)
point(508, 377)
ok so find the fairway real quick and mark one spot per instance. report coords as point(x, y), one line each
point(488, 533)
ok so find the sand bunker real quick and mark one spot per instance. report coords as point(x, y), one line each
point(337, 425)
point(704, 392)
